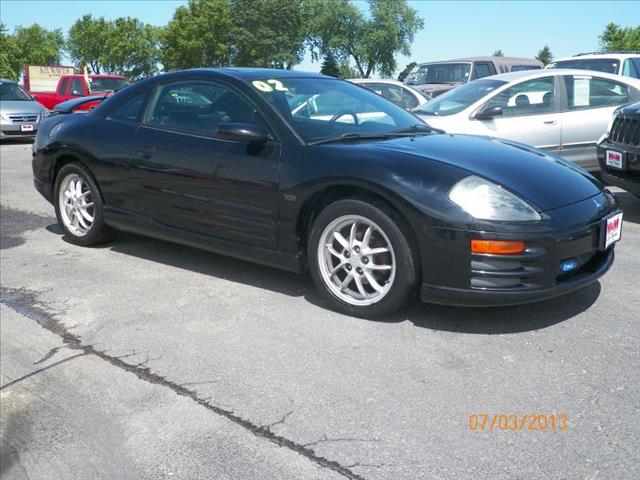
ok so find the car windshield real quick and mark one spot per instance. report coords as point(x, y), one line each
point(13, 92)
point(607, 65)
point(319, 109)
point(439, 73)
point(456, 100)
point(106, 84)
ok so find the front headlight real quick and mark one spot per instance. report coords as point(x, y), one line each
point(486, 200)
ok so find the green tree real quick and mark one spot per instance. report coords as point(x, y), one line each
point(10, 64)
point(132, 47)
point(545, 55)
point(198, 35)
point(267, 33)
point(407, 70)
point(371, 41)
point(615, 37)
point(87, 42)
point(498, 53)
point(330, 66)
point(35, 45)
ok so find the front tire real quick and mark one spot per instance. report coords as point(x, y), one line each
point(361, 259)
point(78, 206)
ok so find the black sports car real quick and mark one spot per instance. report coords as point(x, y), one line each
point(297, 170)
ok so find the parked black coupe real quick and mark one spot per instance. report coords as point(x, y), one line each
point(297, 170)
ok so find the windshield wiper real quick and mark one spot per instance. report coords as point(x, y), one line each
point(404, 132)
point(418, 128)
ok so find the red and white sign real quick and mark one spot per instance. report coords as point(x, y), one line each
point(26, 128)
point(614, 230)
point(614, 159)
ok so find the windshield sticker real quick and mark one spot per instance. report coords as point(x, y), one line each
point(269, 85)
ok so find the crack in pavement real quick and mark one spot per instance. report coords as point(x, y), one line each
point(27, 304)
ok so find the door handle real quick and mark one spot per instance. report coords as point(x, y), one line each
point(144, 152)
point(549, 122)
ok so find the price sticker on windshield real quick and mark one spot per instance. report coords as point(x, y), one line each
point(270, 85)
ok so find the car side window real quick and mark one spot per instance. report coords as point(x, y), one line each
point(198, 107)
point(629, 69)
point(131, 109)
point(592, 92)
point(63, 86)
point(76, 88)
point(533, 97)
point(481, 70)
point(409, 100)
point(390, 92)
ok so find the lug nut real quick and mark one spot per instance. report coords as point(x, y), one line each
point(359, 270)
point(357, 249)
point(365, 260)
point(349, 267)
point(347, 254)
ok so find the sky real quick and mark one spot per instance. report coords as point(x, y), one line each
point(452, 29)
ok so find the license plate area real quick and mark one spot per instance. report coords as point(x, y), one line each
point(610, 230)
point(26, 128)
point(614, 159)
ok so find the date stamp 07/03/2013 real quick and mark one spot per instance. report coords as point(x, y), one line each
point(513, 422)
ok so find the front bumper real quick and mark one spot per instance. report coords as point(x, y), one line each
point(563, 253)
point(13, 130)
point(629, 177)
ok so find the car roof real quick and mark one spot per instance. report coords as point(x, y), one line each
point(375, 80)
point(532, 74)
point(245, 73)
point(603, 55)
point(520, 60)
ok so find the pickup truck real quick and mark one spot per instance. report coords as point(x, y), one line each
point(74, 86)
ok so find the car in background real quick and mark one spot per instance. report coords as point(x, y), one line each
point(619, 63)
point(562, 111)
point(20, 114)
point(436, 78)
point(399, 93)
point(619, 150)
point(74, 86)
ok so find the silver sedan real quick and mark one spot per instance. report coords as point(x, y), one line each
point(20, 114)
point(563, 111)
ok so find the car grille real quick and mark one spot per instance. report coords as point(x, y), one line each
point(23, 118)
point(625, 131)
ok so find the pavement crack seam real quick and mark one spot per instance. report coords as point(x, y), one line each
point(27, 304)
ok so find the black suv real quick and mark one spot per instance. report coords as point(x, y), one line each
point(619, 150)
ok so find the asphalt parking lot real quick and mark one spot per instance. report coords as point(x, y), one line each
point(144, 359)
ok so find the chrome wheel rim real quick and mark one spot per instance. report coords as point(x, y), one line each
point(76, 205)
point(356, 259)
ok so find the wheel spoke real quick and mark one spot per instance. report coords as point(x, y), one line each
point(352, 233)
point(337, 268)
point(373, 282)
point(84, 194)
point(341, 240)
point(67, 195)
point(86, 215)
point(361, 289)
point(367, 238)
point(375, 251)
point(333, 251)
point(345, 283)
point(373, 266)
point(82, 221)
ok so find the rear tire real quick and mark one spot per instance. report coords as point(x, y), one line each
point(360, 258)
point(78, 206)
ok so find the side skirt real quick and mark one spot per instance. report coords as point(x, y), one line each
point(143, 225)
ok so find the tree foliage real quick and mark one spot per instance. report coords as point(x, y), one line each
point(133, 48)
point(87, 42)
point(198, 35)
point(615, 37)
point(407, 70)
point(267, 33)
point(371, 42)
point(28, 45)
point(545, 55)
point(498, 53)
point(330, 66)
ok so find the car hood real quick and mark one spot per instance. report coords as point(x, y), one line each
point(546, 181)
point(20, 106)
point(435, 89)
point(633, 109)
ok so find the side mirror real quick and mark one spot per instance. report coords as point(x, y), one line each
point(242, 132)
point(488, 113)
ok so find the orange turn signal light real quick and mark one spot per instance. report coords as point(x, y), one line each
point(498, 247)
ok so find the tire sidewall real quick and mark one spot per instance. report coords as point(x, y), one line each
point(98, 230)
point(393, 227)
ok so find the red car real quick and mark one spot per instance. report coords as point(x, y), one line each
point(74, 86)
